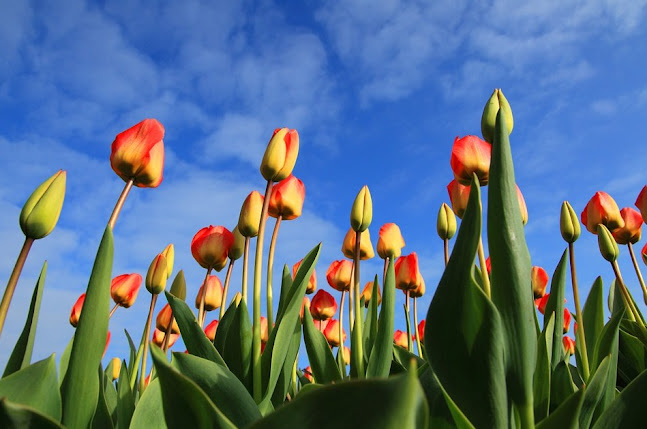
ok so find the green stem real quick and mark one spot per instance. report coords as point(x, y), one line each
point(245, 268)
point(351, 315)
point(358, 321)
point(629, 303)
point(13, 280)
point(270, 273)
point(147, 331)
point(446, 248)
point(578, 314)
point(408, 320)
point(120, 204)
point(341, 327)
point(415, 327)
point(386, 266)
point(226, 289)
point(201, 312)
point(638, 273)
point(484, 274)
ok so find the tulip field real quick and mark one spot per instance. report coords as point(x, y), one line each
point(496, 348)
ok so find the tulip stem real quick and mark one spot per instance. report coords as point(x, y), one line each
point(629, 302)
point(578, 314)
point(13, 280)
point(638, 273)
point(270, 273)
point(245, 268)
point(415, 326)
point(202, 296)
point(226, 289)
point(408, 319)
point(351, 315)
point(147, 331)
point(167, 334)
point(258, 271)
point(341, 326)
point(446, 247)
point(386, 266)
point(484, 274)
point(120, 203)
point(113, 310)
point(359, 347)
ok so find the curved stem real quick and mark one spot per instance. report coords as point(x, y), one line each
point(226, 289)
point(627, 297)
point(13, 280)
point(204, 293)
point(341, 323)
point(270, 273)
point(167, 335)
point(415, 326)
point(120, 204)
point(578, 314)
point(484, 274)
point(638, 273)
point(113, 310)
point(359, 347)
point(147, 332)
point(446, 247)
point(245, 267)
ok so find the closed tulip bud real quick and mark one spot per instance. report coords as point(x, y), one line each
point(213, 294)
point(569, 345)
point(339, 274)
point(280, 155)
point(407, 272)
point(488, 119)
point(630, 233)
point(421, 330)
point(43, 207)
point(567, 320)
point(608, 246)
point(367, 294)
point(458, 197)
point(138, 154)
point(312, 283)
point(539, 281)
point(250, 214)
point(390, 241)
point(158, 338)
point(419, 290)
point(116, 368)
point(471, 155)
point(305, 306)
point(643, 253)
point(541, 303)
point(323, 305)
point(169, 254)
point(264, 332)
point(178, 288)
point(210, 246)
point(156, 277)
point(446, 222)
point(76, 310)
point(522, 206)
point(238, 247)
point(641, 202)
point(164, 318)
point(601, 209)
point(361, 214)
point(331, 332)
point(365, 245)
point(488, 266)
point(346, 351)
point(211, 329)
point(569, 224)
point(400, 339)
point(124, 289)
point(286, 199)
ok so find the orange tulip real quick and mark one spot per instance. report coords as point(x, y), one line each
point(541, 303)
point(323, 305)
point(307, 373)
point(407, 272)
point(641, 202)
point(250, 214)
point(400, 339)
point(421, 330)
point(390, 241)
point(124, 289)
point(522, 206)
point(305, 306)
point(210, 246)
point(643, 253)
point(471, 155)
point(339, 274)
point(105, 348)
point(346, 352)
point(332, 333)
point(213, 295)
point(163, 319)
point(365, 245)
point(286, 199)
point(211, 329)
point(312, 283)
point(569, 345)
point(158, 338)
point(280, 155)
point(138, 154)
point(76, 310)
point(367, 294)
point(601, 209)
point(567, 320)
point(539, 281)
point(419, 290)
point(630, 233)
point(458, 197)
point(264, 332)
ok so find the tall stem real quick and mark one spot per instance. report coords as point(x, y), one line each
point(270, 273)
point(359, 347)
point(578, 314)
point(638, 273)
point(484, 274)
point(147, 332)
point(226, 289)
point(406, 309)
point(341, 324)
point(245, 268)
point(258, 271)
point(167, 334)
point(120, 204)
point(113, 310)
point(204, 293)
point(629, 303)
point(386, 266)
point(13, 280)
point(415, 327)
point(446, 247)
point(351, 314)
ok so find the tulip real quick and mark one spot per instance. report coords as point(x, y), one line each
point(250, 214)
point(305, 306)
point(332, 333)
point(567, 320)
point(418, 290)
point(307, 373)
point(458, 197)
point(446, 221)
point(541, 303)
point(42, 209)
point(339, 275)
point(569, 224)
point(361, 214)
point(116, 368)
point(390, 241)
point(488, 266)
point(407, 272)
point(400, 339)
point(138, 154)
point(569, 345)
point(630, 232)
point(346, 352)
point(169, 254)
point(76, 310)
point(164, 318)
point(312, 282)
point(539, 281)
point(210, 330)
point(641, 202)
point(367, 293)
point(421, 330)
point(471, 155)
point(264, 331)
point(158, 338)
point(522, 206)
point(280, 155)
point(124, 289)
point(496, 103)
point(601, 209)
point(323, 305)
point(238, 246)
point(643, 253)
point(365, 245)
point(210, 246)
point(608, 246)
point(157, 275)
point(286, 199)
point(212, 296)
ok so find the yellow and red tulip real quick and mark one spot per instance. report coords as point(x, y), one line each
point(346, 352)
point(458, 197)
point(211, 329)
point(157, 275)
point(124, 289)
point(601, 209)
point(323, 305)
point(407, 272)
point(210, 246)
point(250, 214)
point(569, 345)
point(76, 310)
point(169, 254)
point(264, 332)
point(418, 290)
point(471, 155)
point(643, 253)
point(390, 241)
point(400, 339)
point(286, 199)
point(331, 332)
point(539, 281)
point(163, 319)
point(365, 245)
point(631, 231)
point(238, 246)
point(312, 283)
point(280, 155)
point(305, 306)
point(367, 293)
point(541, 303)
point(641, 202)
point(339, 274)
point(158, 338)
point(213, 294)
point(567, 320)
point(138, 154)
point(307, 373)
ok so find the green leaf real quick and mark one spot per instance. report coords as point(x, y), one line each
point(405, 357)
point(566, 415)
point(322, 361)
point(626, 411)
point(133, 353)
point(64, 361)
point(370, 325)
point(102, 418)
point(221, 386)
point(464, 334)
point(21, 355)
point(632, 356)
point(286, 284)
point(285, 378)
point(510, 261)
point(607, 345)
point(220, 339)
point(80, 388)
point(593, 316)
point(561, 385)
point(195, 340)
point(396, 402)
point(593, 393)
point(555, 305)
point(379, 363)
point(35, 386)
point(15, 416)
point(238, 346)
point(150, 409)
point(439, 414)
point(125, 399)
point(543, 371)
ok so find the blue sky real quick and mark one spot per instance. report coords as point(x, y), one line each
point(377, 91)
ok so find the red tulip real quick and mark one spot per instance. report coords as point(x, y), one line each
point(286, 199)
point(407, 272)
point(124, 289)
point(305, 306)
point(458, 197)
point(630, 233)
point(567, 320)
point(488, 266)
point(307, 373)
point(539, 281)
point(210, 330)
point(643, 253)
point(541, 303)
point(331, 332)
point(163, 319)
point(471, 155)
point(421, 330)
point(601, 209)
point(569, 345)
point(158, 338)
point(323, 305)
point(213, 295)
point(339, 275)
point(76, 310)
point(390, 241)
point(400, 339)
point(312, 282)
point(138, 154)
point(210, 246)
point(641, 202)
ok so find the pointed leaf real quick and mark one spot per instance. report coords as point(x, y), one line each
point(320, 356)
point(593, 316)
point(555, 305)
point(238, 347)
point(564, 417)
point(150, 409)
point(223, 328)
point(379, 363)
point(632, 357)
point(285, 378)
point(125, 399)
point(543, 371)
point(593, 393)
point(626, 411)
point(102, 419)
point(561, 385)
point(607, 345)
point(370, 326)
point(22, 417)
point(286, 284)
point(439, 414)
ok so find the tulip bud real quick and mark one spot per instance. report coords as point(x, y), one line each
point(390, 241)
point(539, 281)
point(116, 368)
point(643, 253)
point(237, 298)
point(43, 207)
point(305, 306)
point(164, 318)
point(331, 332)
point(238, 247)
point(286, 199)
point(407, 272)
point(458, 197)
point(158, 338)
point(641, 202)
point(213, 295)
point(339, 274)
point(569, 345)
point(421, 330)
point(346, 352)
point(210, 330)
point(76, 310)
point(446, 223)
point(124, 289)
point(312, 283)
point(307, 373)
point(630, 233)
point(541, 303)
point(569, 224)
point(471, 155)
point(567, 320)
point(264, 332)
point(400, 339)
point(138, 154)
point(178, 288)
point(608, 246)
point(488, 119)
point(211, 245)
point(323, 305)
point(280, 155)
point(601, 209)
point(522, 206)
point(169, 254)
point(418, 290)
point(156, 277)
point(488, 266)
point(361, 214)
point(367, 293)
point(365, 245)
point(250, 214)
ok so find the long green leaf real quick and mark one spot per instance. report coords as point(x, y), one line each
point(379, 363)
point(286, 284)
point(133, 353)
point(440, 416)
point(149, 412)
point(632, 357)
point(102, 418)
point(543, 371)
point(564, 417)
point(322, 361)
point(21, 355)
point(593, 316)
point(125, 399)
point(370, 326)
point(626, 411)
point(593, 393)
point(285, 377)
point(16, 416)
point(220, 340)
point(80, 388)
point(238, 347)
point(607, 345)
point(555, 305)
point(561, 385)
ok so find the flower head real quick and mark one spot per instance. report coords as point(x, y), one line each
point(312, 283)
point(407, 272)
point(458, 197)
point(390, 241)
point(164, 318)
point(339, 274)
point(212, 295)
point(250, 214)
point(76, 310)
point(365, 245)
point(286, 199)
point(210, 330)
point(280, 155)
point(331, 332)
point(539, 281)
point(601, 209)
point(210, 246)
point(138, 154)
point(323, 305)
point(42, 209)
point(471, 155)
point(367, 293)
point(630, 233)
point(124, 289)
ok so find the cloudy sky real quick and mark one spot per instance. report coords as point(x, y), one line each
point(376, 90)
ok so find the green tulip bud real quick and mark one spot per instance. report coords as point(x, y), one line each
point(178, 288)
point(361, 214)
point(608, 246)
point(446, 223)
point(569, 224)
point(488, 119)
point(156, 276)
point(43, 207)
point(236, 250)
